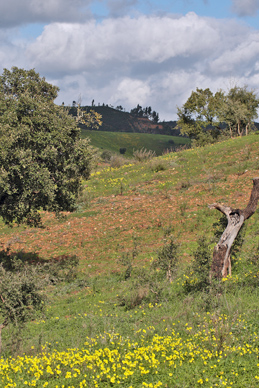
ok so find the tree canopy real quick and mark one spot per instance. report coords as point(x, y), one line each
point(145, 112)
point(239, 110)
point(42, 158)
point(205, 115)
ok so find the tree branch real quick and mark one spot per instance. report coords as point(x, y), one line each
point(236, 217)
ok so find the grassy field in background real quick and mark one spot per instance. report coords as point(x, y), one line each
point(121, 323)
point(113, 141)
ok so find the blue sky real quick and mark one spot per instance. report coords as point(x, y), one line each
point(129, 52)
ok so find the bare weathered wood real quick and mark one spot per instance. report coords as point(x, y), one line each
point(221, 262)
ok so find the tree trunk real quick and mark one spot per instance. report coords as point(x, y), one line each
point(236, 217)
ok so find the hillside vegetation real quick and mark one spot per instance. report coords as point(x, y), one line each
point(140, 310)
point(114, 141)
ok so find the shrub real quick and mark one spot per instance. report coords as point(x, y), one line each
point(198, 278)
point(60, 269)
point(127, 259)
point(143, 154)
point(123, 150)
point(20, 297)
point(158, 165)
point(117, 161)
point(146, 286)
point(106, 155)
point(167, 259)
point(183, 185)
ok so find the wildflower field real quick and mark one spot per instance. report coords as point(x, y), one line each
point(119, 321)
point(216, 353)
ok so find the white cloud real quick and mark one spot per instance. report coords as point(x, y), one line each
point(239, 60)
point(123, 42)
point(152, 60)
point(245, 7)
point(130, 91)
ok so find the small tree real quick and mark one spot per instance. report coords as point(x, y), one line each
point(199, 116)
point(204, 114)
point(239, 110)
point(167, 259)
point(42, 158)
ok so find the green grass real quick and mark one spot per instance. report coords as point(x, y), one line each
point(113, 141)
point(106, 329)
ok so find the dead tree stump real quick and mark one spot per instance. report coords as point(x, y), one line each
point(236, 217)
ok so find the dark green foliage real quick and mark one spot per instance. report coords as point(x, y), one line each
point(106, 155)
point(123, 150)
point(198, 278)
point(42, 158)
point(20, 295)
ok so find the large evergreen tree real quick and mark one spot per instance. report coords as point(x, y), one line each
point(42, 158)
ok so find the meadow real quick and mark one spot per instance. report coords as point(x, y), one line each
point(120, 322)
point(114, 141)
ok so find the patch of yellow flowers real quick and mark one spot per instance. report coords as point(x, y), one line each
point(210, 355)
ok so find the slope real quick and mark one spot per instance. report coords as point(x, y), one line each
point(114, 141)
point(122, 305)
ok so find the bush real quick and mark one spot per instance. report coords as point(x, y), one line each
point(106, 155)
point(22, 278)
point(20, 297)
point(117, 161)
point(145, 286)
point(123, 150)
point(60, 269)
point(198, 278)
point(158, 165)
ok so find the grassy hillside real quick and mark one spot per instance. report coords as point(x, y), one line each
point(113, 141)
point(121, 323)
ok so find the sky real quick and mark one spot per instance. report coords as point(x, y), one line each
point(129, 52)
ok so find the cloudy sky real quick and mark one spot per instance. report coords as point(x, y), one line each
point(129, 52)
